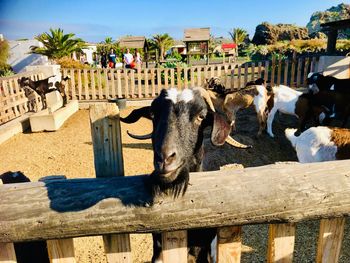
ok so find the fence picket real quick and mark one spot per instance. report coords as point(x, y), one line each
point(166, 78)
point(172, 77)
point(245, 74)
point(132, 83)
point(330, 240)
point(239, 69)
point(7, 253)
point(253, 71)
point(105, 71)
point(292, 71)
point(119, 84)
point(72, 75)
point(153, 76)
point(147, 93)
point(99, 78)
point(266, 70)
point(79, 84)
point(286, 65)
point(192, 77)
point(300, 61)
point(259, 69)
point(281, 243)
point(273, 68)
point(61, 250)
point(229, 244)
point(126, 82)
point(306, 71)
point(139, 82)
point(185, 77)
point(113, 89)
point(199, 76)
point(159, 80)
point(279, 72)
point(178, 77)
point(174, 246)
point(93, 88)
point(86, 85)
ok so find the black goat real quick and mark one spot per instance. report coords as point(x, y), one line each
point(179, 119)
point(331, 93)
point(41, 87)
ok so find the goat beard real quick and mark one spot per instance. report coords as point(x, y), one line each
point(174, 188)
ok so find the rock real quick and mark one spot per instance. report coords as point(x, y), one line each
point(339, 12)
point(267, 34)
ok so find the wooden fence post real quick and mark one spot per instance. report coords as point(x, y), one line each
point(108, 158)
point(281, 243)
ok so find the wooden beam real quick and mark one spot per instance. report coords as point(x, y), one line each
point(174, 246)
point(83, 207)
point(108, 156)
point(61, 250)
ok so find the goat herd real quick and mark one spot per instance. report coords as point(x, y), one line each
point(180, 117)
point(42, 87)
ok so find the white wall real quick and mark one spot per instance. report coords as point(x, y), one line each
point(336, 66)
point(20, 55)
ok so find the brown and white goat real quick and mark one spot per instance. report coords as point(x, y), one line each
point(321, 143)
point(229, 102)
point(60, 86)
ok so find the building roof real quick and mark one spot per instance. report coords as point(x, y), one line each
point(196, 34)
point(228, 45)
point(339, 24)
point(132, 42)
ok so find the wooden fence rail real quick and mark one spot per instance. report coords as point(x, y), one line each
point(81, 207)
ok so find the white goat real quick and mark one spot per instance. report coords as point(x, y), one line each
point(284, 99)
point(321, 143)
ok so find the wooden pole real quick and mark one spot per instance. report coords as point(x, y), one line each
point(108, 156)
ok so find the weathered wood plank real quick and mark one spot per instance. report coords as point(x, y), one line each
point(93, 88)
point(229, 244)
point(245, 74)
point(300, 61)
point(281, 243)
point(105, 127)
point(153, 84)
point(119, 85)
point(99, 77)
point(306, 71)
point(132, 84)
point(147, 93)
point(178, 77)
point(113, 89)
point(86, 85)
point(174, 246)
point(7, 253)
point(192, 77)
point(106, 84)
point(117, 250)
point(139, 86)
point(126, 83)
point(279, 72)
point(80, 85)
point(286, 65)
point(61, 250)
point(266, 70)
point(292, 70)
point(185, 77)
point(330, 240)
point(273, 69)
point(166, 78)
point(118, 205)
point(172, 77)
point(72, 82)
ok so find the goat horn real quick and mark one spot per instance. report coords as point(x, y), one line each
point(206, 97)
point(236, 144)
point(140, 137)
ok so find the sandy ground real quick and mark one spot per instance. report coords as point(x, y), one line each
point(69, 152)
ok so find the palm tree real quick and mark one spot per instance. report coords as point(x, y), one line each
point(57, 44)
point(162, 43)
point(238, 36)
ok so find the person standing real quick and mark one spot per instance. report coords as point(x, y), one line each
point(103, 60)
point(138, 59)
point(128, 59)
point(112, 58)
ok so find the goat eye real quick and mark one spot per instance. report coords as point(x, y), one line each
point(200, 117)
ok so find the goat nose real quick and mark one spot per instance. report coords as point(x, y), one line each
point(169, 157)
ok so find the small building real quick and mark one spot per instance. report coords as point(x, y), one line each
point(227, 50)
point(138, 42)
point(197, 42)
point(89, 50)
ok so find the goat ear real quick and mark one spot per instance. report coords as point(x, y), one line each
point(221, 129)
point(135, 115)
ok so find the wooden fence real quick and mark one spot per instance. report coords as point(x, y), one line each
point(104, 84)
point(13, 102)
point(115, 206)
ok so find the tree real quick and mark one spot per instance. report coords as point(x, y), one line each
point(162, 43)
point(238, 36)
point(57, 45)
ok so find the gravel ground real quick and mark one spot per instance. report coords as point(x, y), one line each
point(69, 152)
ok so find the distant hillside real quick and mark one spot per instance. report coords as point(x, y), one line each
point(267, 33)
point(339, 12)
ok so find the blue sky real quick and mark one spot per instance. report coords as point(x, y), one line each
point(95, 20)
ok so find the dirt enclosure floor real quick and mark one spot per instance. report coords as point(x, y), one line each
point(69, 152)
